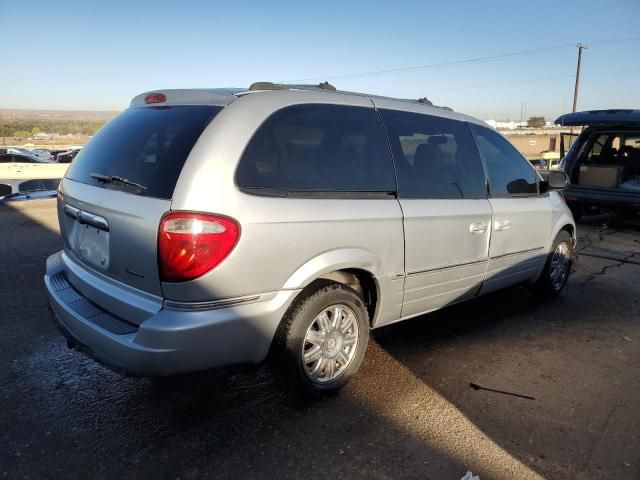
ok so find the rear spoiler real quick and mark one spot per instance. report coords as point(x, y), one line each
point(205, 96)
point(599, 117)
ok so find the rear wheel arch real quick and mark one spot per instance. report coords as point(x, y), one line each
point(363, 282)
point(354, 267)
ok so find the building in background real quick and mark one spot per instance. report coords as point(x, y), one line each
point(508, 125)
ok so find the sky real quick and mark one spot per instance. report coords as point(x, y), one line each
point(82, 55)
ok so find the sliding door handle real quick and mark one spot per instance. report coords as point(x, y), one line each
point(501, 225)
point(478, 228)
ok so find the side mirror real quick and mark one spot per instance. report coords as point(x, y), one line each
point(557, 180)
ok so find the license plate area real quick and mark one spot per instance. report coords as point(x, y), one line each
point(88, 242)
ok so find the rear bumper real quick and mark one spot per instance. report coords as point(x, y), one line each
point(170, 341)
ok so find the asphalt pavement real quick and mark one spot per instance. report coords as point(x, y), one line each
point(409, 413)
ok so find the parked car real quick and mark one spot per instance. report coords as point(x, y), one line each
point(24, 175)
point(603, 163)
point(28, 190)
point(210, 227)
point(43, 153)
point(18, 150)
point(28, 157)
point(67, 156)
point(55, 153)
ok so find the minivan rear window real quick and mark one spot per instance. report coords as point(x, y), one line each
point(146, 146)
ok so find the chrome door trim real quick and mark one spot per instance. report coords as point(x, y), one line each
point(517, 252)
point(454, 265)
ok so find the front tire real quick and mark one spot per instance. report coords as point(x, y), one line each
point(556, 270)
point(323, 337)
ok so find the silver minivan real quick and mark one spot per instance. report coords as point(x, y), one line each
point(213, 227)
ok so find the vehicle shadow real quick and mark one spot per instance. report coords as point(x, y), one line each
point(409, 413)
point(65, 416)
point(560, 352)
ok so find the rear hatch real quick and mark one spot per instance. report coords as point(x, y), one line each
point(120, 185)
point(604, 165)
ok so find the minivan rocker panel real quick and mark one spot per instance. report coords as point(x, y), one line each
point(224, 225)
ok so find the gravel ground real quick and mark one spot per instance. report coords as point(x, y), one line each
point(409, 413)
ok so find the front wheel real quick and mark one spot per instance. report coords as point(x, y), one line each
point(323, 338)
point(557, 267)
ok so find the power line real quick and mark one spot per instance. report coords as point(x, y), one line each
point(435, 65)
point(614, 40)
point(454, 63)
point(513, 82)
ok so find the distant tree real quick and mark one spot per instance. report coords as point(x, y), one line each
point(536, 122)
point(35, 131)
point(327, 86)
point(21, 134)
point(425, 100)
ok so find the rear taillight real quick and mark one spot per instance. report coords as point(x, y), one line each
point(191, 244)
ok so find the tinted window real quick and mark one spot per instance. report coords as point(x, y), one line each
point(509, 172)
point(44, 184)
point(24, 159)
point(435, 157)
point(146, 145)
point(613, 148)
point(320, 148)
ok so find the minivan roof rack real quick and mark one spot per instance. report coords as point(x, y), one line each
point(326, 86)
point(284, 86)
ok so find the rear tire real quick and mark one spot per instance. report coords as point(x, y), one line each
point(323, 338)
point(557, 268)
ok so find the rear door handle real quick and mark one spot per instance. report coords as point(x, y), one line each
point(501, 225)
point(478, 228)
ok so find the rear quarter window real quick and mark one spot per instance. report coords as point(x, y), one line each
point(146, 145)
point(318, 148)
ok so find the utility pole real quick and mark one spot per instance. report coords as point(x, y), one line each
point(575, 91)
point(521, 110)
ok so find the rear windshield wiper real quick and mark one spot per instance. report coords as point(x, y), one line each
point(114, 178)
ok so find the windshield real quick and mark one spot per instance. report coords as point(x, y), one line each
point(147, 146)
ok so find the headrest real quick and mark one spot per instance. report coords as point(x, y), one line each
point(438, 140)
point(427, 153)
